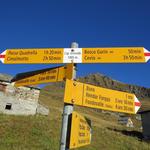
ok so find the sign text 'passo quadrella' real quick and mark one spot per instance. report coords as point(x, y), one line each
point(75, 55)
point(96, 97)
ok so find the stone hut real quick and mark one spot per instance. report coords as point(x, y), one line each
point(145, 118)
point(18, 101)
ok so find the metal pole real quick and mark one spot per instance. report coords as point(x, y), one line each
point(68, 109)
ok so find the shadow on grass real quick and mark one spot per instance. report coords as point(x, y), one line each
point(129, 133)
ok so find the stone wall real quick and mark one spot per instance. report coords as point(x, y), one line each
point(18, 101)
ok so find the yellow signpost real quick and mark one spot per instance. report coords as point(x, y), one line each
point(75, 55)
point(114, 55)
point(33, 56)
point(96, 97)
point(80, 134)
point(44, 76)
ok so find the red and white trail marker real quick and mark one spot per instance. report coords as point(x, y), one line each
point(137, 104)
point(146, 54)
point(2, 56)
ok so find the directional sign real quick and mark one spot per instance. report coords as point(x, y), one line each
point(116, 55)
point(29, 56)
point(75, 55)
point(80, 131)
point(96, 97)
point(44, 76)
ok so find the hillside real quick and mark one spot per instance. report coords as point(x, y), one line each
point(107, 133)
point(43, 132)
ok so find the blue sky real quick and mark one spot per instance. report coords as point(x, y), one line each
point(91, 23)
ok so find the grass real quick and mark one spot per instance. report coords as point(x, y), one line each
point(43, 132)
point(25, 133)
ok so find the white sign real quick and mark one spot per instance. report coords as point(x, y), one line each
point(72, 55)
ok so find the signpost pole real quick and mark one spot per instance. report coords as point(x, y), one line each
point(68, 109)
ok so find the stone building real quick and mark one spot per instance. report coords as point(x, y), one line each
point(20, 100)
point(125, 120)
point(145, 118)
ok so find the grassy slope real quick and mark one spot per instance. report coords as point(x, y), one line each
point(43, 132)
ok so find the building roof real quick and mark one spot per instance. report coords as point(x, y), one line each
point(8, 82)
point(144, 111)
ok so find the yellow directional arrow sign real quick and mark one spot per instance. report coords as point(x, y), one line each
point(75, 55)
point(115, 55)
point(44, 76)
point(96, 97)
point(32, 56)
point(80, 131)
